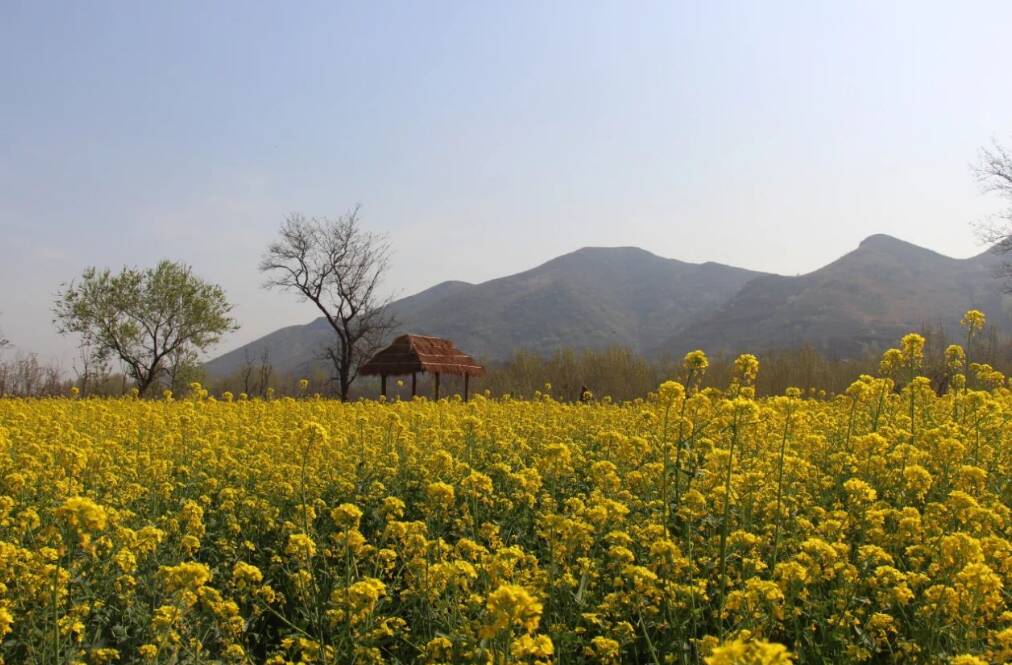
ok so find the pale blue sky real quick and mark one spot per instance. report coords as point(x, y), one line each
point(483, 137)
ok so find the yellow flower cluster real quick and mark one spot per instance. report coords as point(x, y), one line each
point(690, 526)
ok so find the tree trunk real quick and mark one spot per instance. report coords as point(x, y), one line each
point(345, 381)
point(342, 370)
point(143, 384)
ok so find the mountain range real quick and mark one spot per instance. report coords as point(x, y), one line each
point(597, 297)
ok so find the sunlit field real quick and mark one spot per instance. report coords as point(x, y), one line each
point(687, 527)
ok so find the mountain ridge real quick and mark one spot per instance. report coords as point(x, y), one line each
point(861, 301)
point(595, 297)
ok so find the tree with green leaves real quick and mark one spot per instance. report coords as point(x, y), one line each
point(147, 319)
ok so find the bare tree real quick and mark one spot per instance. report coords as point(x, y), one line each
point(993, 171)
point(255, 372)
point(91, 369)
point(264, 372)
point(4, 342)
point(25, 376)
point(246, 371)
point(338, 266)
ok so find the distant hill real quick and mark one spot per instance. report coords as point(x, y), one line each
point(593, 297)
point(596, 297)
point(863, 301)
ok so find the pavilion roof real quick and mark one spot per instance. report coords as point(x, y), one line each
point(418, 353)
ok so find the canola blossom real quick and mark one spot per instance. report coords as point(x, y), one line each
point(691, 526)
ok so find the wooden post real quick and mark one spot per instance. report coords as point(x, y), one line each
point(383, 385)
point(437, 385)
point(466, 378)
point(414, 383)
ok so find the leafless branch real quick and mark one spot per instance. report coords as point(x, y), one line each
point(993, 172)
point(339, 267)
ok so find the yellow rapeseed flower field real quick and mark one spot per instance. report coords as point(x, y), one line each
point(692, 526)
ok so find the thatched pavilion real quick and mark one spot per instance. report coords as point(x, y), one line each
point(411, 354)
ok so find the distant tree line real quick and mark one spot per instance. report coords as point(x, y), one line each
point(615, 372)
point(621, 374)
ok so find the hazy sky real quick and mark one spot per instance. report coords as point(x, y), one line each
point(484, 138)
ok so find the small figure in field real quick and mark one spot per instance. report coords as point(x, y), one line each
point(585, 394)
